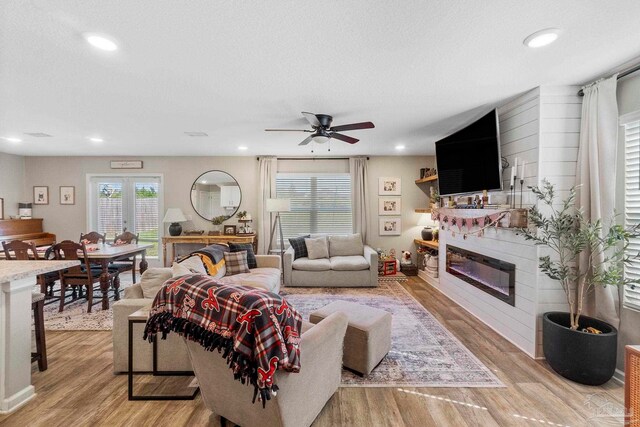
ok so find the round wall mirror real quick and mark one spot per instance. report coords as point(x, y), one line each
point(215, 193)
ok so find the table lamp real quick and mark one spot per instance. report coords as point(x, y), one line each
point(175, 217)
point(277, 206)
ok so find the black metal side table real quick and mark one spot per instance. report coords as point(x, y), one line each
point(141, 316)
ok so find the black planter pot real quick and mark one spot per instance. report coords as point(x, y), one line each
point(580, 356)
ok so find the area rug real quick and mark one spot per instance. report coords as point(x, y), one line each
point(398, 277)
point(75, 316)
point(423, 352)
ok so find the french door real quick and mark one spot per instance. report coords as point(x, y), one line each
point(132, 203)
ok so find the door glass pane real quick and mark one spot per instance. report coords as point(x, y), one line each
point(146, 214)
point(110, 218)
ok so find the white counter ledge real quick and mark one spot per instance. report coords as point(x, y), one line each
point(16, 270)
point(17, 283)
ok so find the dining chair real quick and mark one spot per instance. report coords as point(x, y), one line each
point(19, 250)
point(93, 237)
point(127, 262)
point(79, 275)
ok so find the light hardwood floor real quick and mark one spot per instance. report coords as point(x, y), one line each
point(79, 389)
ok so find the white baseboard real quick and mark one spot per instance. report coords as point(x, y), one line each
point(618, 376)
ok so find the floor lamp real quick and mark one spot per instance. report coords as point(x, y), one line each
point(277, 206)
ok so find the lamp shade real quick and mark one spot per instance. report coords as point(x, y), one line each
point(278, 205)
point(174, 215)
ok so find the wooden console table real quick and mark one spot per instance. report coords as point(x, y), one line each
point(205, 240)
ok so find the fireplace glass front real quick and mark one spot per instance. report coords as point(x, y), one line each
point(490, 275)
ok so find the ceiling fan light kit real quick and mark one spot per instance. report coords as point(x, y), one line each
point(323, 132)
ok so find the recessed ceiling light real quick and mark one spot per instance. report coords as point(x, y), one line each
point(399, 147)
point(96, 140)
point(242, 147)
point(196, 134)
point(100, 42)
point(11, 139)
point(542, 37)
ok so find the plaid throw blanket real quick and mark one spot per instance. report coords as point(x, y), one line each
point(256, 331)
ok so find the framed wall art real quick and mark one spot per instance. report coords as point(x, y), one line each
point(389, 186)
point(229, 230)
point(40, 195)
point(390, 226)
point(67, 195)
point(389, 205)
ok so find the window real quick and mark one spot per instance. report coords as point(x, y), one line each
point(632, 205)
point(130, 203)
point(320, 203)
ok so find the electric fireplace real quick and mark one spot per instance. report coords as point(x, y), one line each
point(491, 275)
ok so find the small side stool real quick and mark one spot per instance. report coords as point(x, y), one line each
point(368, 337)
point(37, 305)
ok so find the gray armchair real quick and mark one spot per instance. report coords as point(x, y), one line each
point(301, 396)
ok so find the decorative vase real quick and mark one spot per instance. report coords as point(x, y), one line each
point(175, 229)
point(427, 233)
point(217, 230)
point(582, 357)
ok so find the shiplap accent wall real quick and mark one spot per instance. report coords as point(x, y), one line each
point(540, 127)
point(560, 112)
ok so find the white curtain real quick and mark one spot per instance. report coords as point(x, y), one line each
point(359, 195)
point(596, 175)
point(268, 172)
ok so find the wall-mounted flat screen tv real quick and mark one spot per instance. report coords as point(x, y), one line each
point(469, 160)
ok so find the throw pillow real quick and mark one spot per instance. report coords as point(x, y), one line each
point(251, 257)
point(152, 280)
point(194, 264)
point(346, 245)
point(299, 247)
point(179, 270)
point(236, 262)
point(317, 248)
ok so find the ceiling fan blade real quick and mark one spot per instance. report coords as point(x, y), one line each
point(307, 140)
point(353, 126)
point(287, 130)
point(311, 118)
point(344, 138)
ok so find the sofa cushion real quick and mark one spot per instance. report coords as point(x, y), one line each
point(306, 264)
point(251, 257)
point(346, 245)
point(152, 280)
point(236, 263)
point(317, 248)
point(299, 247)
point(349, 263)
point(263, 278)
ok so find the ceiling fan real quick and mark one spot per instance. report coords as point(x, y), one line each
point(322, 130)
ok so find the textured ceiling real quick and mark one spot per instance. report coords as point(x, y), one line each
point(417, 69)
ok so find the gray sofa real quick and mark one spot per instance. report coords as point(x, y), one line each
point(348, 265)
point(172, 353)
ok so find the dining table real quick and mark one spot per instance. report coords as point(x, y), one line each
point(103, 254)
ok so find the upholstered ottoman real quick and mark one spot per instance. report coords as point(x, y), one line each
point(368, 337)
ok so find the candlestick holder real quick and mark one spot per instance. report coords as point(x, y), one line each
point(521, 186)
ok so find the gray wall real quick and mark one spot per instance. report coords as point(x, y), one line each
point(12, 183)
point(67, 222)
point(628, 101)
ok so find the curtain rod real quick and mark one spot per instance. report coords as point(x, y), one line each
point(620, 75)
point(311, 158)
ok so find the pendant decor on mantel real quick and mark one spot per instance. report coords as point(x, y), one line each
point(475, 221)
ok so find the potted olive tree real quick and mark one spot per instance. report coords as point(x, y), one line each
point(586, 254)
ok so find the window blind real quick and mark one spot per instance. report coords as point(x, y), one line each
point(632, 206)
point(320, 203)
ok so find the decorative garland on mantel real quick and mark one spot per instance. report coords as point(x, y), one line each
point(483, 221)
